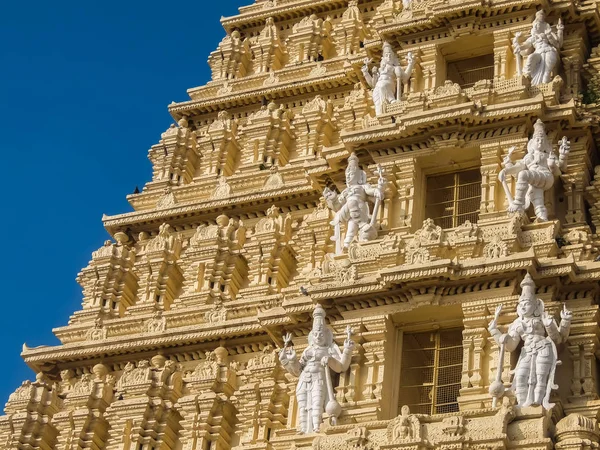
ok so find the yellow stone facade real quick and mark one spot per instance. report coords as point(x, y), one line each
point(229, 246)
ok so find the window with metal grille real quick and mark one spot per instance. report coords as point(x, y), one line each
point(466, 72)
point(431, 370)
point(453, 198)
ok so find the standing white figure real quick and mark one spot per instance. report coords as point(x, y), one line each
point(535, 173)
point(351, 206)
point(314, 392)
point(534, 373)
point(541, 48)
point(388, 80)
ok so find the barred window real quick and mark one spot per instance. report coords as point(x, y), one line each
point(466, 72)
point(431, 370)
point(453, 198)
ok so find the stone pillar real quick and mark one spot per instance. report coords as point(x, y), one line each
point(406, 177)
point(583, 353)
point(576, 179)
point(502, 55)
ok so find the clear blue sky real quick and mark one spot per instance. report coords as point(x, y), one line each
point(84, 89)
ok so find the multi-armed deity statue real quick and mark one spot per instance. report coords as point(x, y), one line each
point(314, 392)
point(535, 172)
point(351, 206)
point(388, 80)
point(541, 48)
point(534, 374)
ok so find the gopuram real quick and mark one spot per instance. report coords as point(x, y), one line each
point(374, 228)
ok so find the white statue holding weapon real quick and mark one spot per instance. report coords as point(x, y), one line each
point(535, 370)
point(352, 208)
point(388, 80)
point(541, 48)
point(535, 173)
point(314, 392)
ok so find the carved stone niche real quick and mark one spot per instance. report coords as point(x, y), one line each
point(446, 95)
point(405, 431)
point(500, 236)
point(428, 243)
point(466, 240)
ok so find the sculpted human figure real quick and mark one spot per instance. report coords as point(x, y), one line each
point(534, 373)
point(535, 173)
point(351, 206)
point(388, 79)
point(314, 392)
point(541, 48)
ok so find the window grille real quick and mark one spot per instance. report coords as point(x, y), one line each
point(454, 198)
point(466, 72)
point(431, 370)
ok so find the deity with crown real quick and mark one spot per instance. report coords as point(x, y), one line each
point(535, 173)
point(352, 205)
point(541, 49)
point(388, 80)
point(534, 373)
point(314, 392)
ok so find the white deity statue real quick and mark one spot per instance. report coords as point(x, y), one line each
point(542, 49)
point(314, 392)
point(351, 206)
point(535, 173)
point(388, 80)
point(534, 373)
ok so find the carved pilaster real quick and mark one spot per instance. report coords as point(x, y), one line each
point(583, 345)
point(575, 180)
point(503, 56)
point(407, 178)
point(431, 60)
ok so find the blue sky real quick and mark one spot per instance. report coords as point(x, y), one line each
point(84, 89)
